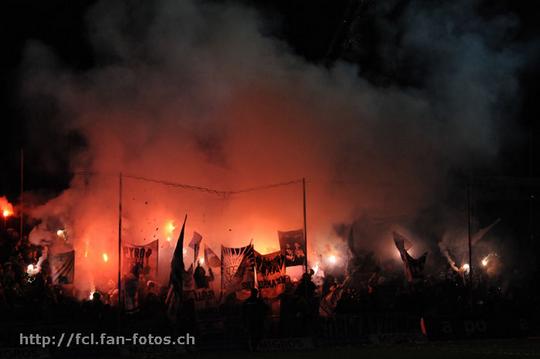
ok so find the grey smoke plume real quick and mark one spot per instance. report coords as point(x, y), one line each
point(192, 92)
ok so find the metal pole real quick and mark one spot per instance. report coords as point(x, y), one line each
point(22, 198)
point(120, 297)
point(305, 220)
point(469, 231)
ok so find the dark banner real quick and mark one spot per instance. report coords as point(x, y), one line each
point(203, 298)
point(270, 274)
point(293, 247)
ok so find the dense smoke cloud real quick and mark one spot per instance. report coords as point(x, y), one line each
point(192, 92)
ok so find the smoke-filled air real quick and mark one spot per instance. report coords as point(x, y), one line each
point(197, 93)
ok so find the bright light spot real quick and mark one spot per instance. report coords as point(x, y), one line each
point(105, 257)
point(169, 239)
point(466, 267)
point(201, 260)
point(6, 213)
point(332, 259)
point(485, 262)
point(32, 269)
point(61, 233)
point(170, 227)
point(184, 251)
point(315, 268)
point(92, 294)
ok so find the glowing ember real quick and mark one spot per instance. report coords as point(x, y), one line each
point(490, 261)
point(466, 268)
point(6, 213)
point(105, 257)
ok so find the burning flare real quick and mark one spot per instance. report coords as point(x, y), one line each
point(332, 259)
point(32, 269)
point(6, 207)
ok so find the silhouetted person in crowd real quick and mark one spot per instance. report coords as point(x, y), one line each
point(199, 275)
point(254, 312)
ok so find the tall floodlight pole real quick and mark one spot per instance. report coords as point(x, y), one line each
point(21, 226)
point(120, 300)
point(469, 231)
point(305, 220)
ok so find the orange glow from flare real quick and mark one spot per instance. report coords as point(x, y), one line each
point(485, 261)
point(7, 208)
point(105, 257)
point(169, 229)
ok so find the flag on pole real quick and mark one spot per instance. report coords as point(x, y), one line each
point(328, 303)
point(210, 258)
point(414, 268)
point(62, 267)
point(195, 244)
point(176, 278)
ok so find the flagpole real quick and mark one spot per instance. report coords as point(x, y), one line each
point(120, 297)
point(469, 231)
point(21, 227)
point(305, 221)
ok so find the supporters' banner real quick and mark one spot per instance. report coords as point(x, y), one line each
point(195, 244)
point(293, 247)
point(62, 267)
point(237, 265)
point(142, 259)
point(210, 258)
point(270, 274)
point(204, 298)
point(414, 268)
